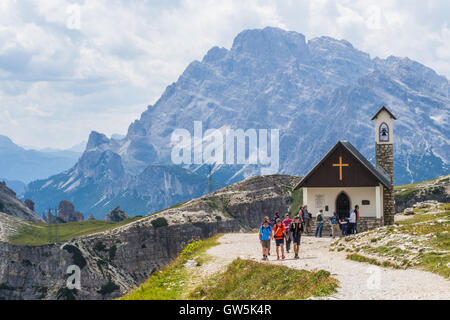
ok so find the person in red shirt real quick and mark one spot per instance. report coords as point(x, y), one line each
point(279, 234)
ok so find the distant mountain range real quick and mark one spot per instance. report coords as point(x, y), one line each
point(19, 165)
point(315, 92)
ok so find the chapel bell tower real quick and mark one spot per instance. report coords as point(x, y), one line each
point(384, 137)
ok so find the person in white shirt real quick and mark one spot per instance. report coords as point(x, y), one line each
point(352, 221)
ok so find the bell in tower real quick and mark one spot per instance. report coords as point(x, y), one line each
point(384, 138)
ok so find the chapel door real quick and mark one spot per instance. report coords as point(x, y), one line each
point(343, 206)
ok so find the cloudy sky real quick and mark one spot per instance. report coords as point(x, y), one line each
point(68, 67)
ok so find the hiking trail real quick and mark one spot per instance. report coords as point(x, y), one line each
point(357, 281)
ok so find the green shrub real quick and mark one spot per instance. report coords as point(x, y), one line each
point(5, 286)
point(159, 222)
point(99, 246)
point(108, 288)
point(77, 256)
point(112, 252)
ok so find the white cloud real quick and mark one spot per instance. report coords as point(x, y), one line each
point(71, 66)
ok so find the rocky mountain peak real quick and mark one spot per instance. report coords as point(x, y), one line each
point(96, 140)
point(271, 44)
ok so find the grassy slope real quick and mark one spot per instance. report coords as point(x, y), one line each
point(422, 241)
point(36, 234)
point(171, 282)
point(250, 280)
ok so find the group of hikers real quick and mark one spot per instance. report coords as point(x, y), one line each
point(290, 231)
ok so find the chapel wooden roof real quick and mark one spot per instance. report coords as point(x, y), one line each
point(359, 172)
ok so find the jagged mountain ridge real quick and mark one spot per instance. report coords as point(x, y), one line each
point(98, 183)
point(316, 92)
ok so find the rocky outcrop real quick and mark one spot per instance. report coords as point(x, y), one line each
point(9, 204)
point(117, 215)
point(66, 211)
point(52, 219)
point(437, 189)
point(113, 262)
point(29, 204)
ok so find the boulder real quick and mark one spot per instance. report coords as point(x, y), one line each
point(409, 212)
point(117, 215)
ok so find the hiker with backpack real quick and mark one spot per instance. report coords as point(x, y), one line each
point(319, 221)
point(296, 232)
point(265, 235)
point(279, 234)
point(287, 225)
point(334, 225)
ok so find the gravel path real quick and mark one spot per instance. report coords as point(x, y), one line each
point(357, 280)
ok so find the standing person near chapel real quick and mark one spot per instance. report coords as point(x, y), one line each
point(334, 225)
point(265, 235)
point(319, 221)
point(279, 233)
point(296, 232)
point(351, 222)
point(307, 219)
point(357, 219)
point(344, 225)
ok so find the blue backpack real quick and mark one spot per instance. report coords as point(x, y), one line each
point(333, 220)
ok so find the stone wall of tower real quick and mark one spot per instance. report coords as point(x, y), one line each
point(385, 159)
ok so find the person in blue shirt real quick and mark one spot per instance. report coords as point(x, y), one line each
point(265, 235)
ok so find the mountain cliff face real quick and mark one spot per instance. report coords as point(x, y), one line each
point(315, 92)
point(115, 261)
point(12, 206)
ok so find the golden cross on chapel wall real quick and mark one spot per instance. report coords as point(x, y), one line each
point(340, 165)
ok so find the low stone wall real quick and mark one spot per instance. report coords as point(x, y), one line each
point(364, 224)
